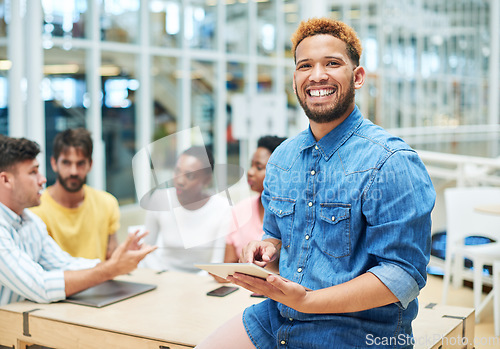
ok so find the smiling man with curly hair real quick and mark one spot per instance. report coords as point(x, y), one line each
point(347, 218)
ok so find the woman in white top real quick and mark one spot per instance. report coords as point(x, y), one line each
point(190, 229)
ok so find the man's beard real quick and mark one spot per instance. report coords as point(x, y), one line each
point(331, 112)
point(67, 187)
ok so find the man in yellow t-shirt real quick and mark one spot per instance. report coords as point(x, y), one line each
point(81, 219)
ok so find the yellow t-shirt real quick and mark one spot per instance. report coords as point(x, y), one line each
point(81, 231)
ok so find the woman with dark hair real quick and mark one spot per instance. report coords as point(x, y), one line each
point(240, 236)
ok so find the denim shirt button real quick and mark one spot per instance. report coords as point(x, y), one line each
point(283, 342)
point(299, 270)
point(316, 147)
point(310, 204)
point(313, 173)
point(307, 237)
point(333, 218)
point(291, 319)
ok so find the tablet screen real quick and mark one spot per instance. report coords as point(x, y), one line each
point(224, 269)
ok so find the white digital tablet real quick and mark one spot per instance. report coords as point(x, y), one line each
point(224, 269)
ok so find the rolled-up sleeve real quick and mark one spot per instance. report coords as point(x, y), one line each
point(33, 268)
point(21, 275)
point(401, 284)
point(52, 289)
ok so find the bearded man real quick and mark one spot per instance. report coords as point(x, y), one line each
point(82, 220)
point(347, 218)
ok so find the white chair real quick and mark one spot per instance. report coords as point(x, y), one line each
point(463, 220)
point(496, 297)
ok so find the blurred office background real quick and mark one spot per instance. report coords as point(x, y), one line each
point(134, 71)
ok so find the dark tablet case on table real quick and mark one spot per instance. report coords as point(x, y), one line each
point(108, 292)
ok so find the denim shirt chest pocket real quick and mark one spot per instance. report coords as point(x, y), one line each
point(335, 229)
point(283, 209)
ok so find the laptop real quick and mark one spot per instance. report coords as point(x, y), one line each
point(109, 292)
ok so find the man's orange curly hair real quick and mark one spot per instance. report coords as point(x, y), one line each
point(340, 30)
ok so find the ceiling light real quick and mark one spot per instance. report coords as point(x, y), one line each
point(109, 70)
point(5, 64)
point(57, 69)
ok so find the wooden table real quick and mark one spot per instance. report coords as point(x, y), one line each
point(443, 327)
point(176, 315)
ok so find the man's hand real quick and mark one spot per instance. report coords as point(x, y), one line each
point(260, 252)
point(123, 260)
point(138, 235)
point(127, 255)
point(275, 287)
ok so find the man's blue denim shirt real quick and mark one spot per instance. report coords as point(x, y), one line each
point(358, 200)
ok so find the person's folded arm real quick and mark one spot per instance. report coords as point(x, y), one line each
point(27, 278)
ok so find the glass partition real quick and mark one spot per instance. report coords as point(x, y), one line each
point(292, 19)
point(118, 123)
point(433, 73)
point(120, 20)
point(296, 119)
point(235, 85)
point(63, 18)
point(235, 78)
point(265, 79)
point(3, 23)
point(4, 90)
point(200, 25)
point(237, 28)
point(167, 97)
point(166, 23)
point(64, 92)
point(203, 98)
point(266, 27)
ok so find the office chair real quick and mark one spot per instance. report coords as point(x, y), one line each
point(463, 220)
point(496, 297)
